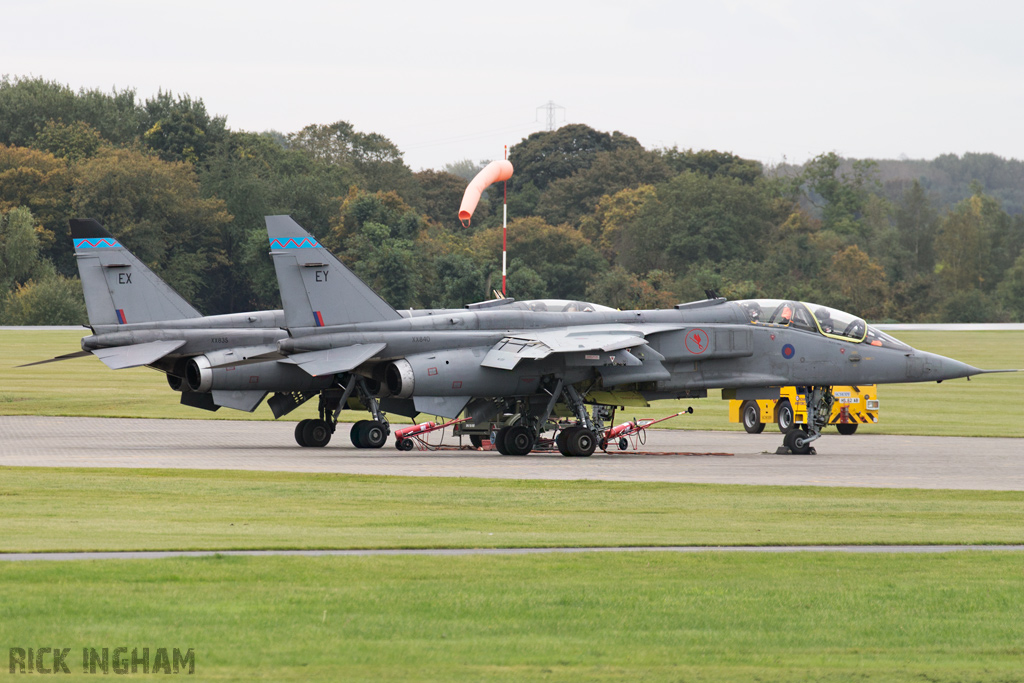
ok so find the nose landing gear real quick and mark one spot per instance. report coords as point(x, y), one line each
point(819, 408)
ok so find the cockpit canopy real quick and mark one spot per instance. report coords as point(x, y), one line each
point(559, 306)
point(829, 322)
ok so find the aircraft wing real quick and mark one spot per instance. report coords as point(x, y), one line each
point(332, 361)
point(119, 357)
point(507, 353)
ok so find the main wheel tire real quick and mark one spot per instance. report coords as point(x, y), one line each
point(499, 440)
point(476, 440)
point(355, 432)
point(797, 442)
point(562, 441)
point(847, 428)
point(751, 414)
point(373, 435)
point(582, 443)
point(404, 444)
point(299, 426)
point(316, 433)
point(519, 440)
point(784, 415)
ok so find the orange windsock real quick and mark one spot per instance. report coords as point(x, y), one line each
point(491, 173)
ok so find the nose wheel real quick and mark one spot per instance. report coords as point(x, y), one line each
point(819, 408)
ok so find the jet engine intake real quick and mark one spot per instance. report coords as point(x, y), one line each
point(400, 378)
point(199, 374)
point(175, 382)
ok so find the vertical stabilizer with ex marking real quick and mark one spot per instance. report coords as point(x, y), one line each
point(119, 289)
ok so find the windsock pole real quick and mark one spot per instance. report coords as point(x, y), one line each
point(504, 228)
point(490, 174)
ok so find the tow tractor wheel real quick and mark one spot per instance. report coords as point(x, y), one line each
point(519, 440)
point(499, 440)
point(404, 444)
point(298, 432)
point(316, 433)
point(562, 440)
point(752, 418)
point(373, 435)
point(785, 415)
point(797, 441)
point(847, 428)
point(355, 431)
point(476, 440)
point(581, 443)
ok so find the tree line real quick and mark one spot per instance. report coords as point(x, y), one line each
point(593, 216)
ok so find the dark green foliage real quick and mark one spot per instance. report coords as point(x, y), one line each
point(844, 194)
point(28, 104)
point(695, 218)
point(916, 224)
point(374, 159)
point(544, 157)
point(564, 260)
point(31, 291)
point(712, 163)
point(53, 300)
point(74, 142)
point(566, 200)
point(440, 195)
point(971, 306)
point(180, 129)
point(458, 281)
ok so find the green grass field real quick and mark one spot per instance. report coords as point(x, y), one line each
point(593, 617)
point(986, 406)
point(113, 509)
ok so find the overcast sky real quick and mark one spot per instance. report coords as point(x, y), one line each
point(765, 79)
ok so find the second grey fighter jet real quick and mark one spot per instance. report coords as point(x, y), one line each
point(529, 357)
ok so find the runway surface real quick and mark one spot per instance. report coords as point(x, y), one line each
point(161, 554)
point(867, 460)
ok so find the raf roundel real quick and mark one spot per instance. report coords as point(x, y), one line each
point(788, 351)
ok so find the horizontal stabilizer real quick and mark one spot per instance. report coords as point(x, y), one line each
point(66, 356)
point(120, 357)
point(239, 400)
point(441, 406)
point(333, 361)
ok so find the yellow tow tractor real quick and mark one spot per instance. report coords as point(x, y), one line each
point(853, 406)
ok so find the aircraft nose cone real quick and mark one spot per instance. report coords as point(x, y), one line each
point(931, 367)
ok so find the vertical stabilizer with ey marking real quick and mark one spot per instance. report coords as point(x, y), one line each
point(317, 290)
point(119, 289)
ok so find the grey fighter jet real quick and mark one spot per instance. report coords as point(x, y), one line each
point(526, 358)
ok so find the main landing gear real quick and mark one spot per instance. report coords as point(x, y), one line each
point(581, 440)
point(819, 408)
point(577, 441)
point(317, 433)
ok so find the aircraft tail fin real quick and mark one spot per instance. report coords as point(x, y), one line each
point(119, 288)
point(317, 290)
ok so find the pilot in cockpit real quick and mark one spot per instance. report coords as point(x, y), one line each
point(824, 320)
point(753, 311)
